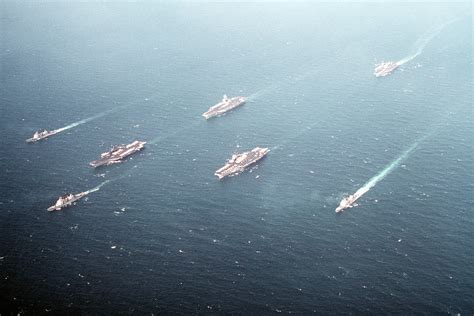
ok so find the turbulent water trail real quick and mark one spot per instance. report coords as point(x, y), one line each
point(102, 114)
point(392, 166)
point(295, 136)
point(287, 81)
point(262, 92)
point(166, 136)
point(97, 188)
point(425, 40)
point(85, 120)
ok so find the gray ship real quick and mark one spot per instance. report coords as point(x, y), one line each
point(238, 162)
point(41, 134)
point(384, 69)
point(66, 200)
point(350, 201)
point(224, 106)
point(118, 153)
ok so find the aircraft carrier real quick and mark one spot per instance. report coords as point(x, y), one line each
point(118, 153)
point(224, 106)
point(41, 134)
point(66, 200)
point(385, 69)
point(238, 162)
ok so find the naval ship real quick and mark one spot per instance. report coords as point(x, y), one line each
point(238, 162)
point(66, 200)
point(349, 201)
point(118, 153)
point(224, 106)
point(385, 69)
point(41, 134)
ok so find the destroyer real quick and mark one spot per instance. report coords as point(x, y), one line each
point(385, 69)
point(118, 153)
point(41, 134)
point(224, 106)
point(238, 162)
point(349, 201)
point(66, 200)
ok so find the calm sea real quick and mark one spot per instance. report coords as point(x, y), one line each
point(165, 236)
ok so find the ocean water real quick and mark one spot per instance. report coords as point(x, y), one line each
point(164, 235)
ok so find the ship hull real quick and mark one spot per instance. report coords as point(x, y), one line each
point(67, 204)
point(224, 107)
point(238, 163)
point(33, 139)
point(385, 69)
point(105, 162)
point(119, 156)
point(349, 201)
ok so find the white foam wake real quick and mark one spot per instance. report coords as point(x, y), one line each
point(165, 136)
point(65, 128)
point(394, 164)
point(97, 188)
point(301, 132)
point(387, 170)
point(276, 86)
point(102, 114)
point(422, 42)
point(262, 92)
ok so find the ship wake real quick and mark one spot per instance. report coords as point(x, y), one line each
point(387, 170)
point(166, 136)
point(421, 43)
point(97, 188)
point(303, 131)
point(277, 86)
point(262, 92)
point(102, 114)
point(65, 128)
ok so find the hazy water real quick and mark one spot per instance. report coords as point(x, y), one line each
point(165, 235)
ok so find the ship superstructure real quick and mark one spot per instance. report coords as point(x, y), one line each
point(224, 106)
point(66, 200)
point(41, 134)
point(118, 153)
point(385, 68)
point(238, 162)
point(349, 201)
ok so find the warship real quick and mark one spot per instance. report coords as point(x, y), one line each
point(66, 200)
point(224, 106)
point(238, 162)
point(118, 153)
point(385, 68)
point(41, 134)
point(349, 201)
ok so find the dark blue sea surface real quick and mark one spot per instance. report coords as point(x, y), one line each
point(164, 235)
